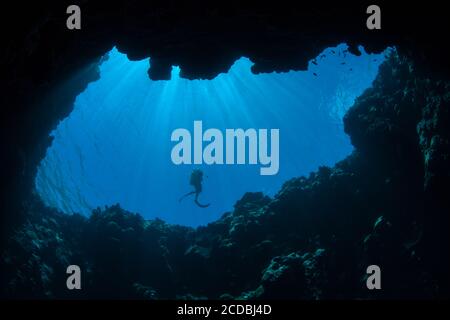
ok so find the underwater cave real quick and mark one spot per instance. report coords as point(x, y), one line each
point(115, 146)
point(88, 177)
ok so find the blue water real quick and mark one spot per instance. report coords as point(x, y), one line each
point(115, 146)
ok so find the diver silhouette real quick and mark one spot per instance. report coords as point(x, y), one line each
point(196, 182)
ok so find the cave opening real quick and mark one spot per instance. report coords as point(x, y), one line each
point(115, 146)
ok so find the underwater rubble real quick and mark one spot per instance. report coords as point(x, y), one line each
point(385, 204)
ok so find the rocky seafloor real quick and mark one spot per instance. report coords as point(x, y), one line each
point(385, 204)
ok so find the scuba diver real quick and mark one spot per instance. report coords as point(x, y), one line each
point(196, 182)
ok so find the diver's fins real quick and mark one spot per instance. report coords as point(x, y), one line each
point(187, 194)
point(201, 205)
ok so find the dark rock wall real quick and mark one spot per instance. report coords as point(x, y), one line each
point(387, 203)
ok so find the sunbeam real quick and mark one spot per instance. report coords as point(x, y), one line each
point(115, 146)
